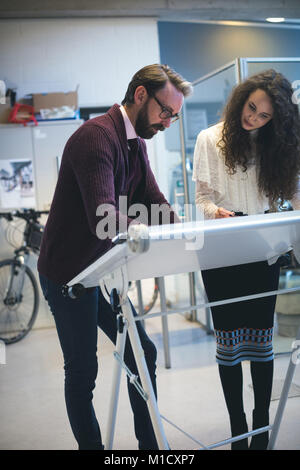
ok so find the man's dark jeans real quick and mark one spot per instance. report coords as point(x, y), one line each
point(76, 322)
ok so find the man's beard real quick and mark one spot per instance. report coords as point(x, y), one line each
point(142, 126)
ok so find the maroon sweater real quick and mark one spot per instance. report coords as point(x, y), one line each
point(95, 169)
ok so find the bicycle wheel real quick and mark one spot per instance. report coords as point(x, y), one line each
point(19, 300)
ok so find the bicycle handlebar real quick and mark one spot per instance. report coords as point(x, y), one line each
point(26, 214)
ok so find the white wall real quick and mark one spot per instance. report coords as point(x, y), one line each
point(99, 55)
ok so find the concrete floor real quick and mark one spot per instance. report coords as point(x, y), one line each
point(32, 408)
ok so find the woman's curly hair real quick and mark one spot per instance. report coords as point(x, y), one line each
point(277, 142)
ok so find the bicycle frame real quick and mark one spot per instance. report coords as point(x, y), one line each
point(19, 289)
point(16, 280)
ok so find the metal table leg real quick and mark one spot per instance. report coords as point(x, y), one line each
point(117, 370)
point(164, 321)
point(285, 391)
point(144, 376)
point(140, 299)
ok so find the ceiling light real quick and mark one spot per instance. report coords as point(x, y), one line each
point(275, 20)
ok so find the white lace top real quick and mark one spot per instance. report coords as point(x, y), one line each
point(215, 187)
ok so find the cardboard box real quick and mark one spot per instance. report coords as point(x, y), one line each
point(54, 100)
point(5, 110)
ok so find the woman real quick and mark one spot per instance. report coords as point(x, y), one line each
point(244, 165)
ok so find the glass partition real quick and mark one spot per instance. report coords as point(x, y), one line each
point(289, 67)
point(204, 108)
point(201, 110)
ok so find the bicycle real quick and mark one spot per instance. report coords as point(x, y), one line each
point(19, 293)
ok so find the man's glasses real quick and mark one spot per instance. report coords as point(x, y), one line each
point(166, 113)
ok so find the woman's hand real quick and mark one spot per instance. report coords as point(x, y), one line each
point(221, 213)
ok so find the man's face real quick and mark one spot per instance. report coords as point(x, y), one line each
point(142, 125)
point(158, 112)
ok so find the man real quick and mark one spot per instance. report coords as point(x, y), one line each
point(98, 166)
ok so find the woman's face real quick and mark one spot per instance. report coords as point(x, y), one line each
point(257, 111)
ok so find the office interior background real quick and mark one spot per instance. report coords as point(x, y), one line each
point(96, 49)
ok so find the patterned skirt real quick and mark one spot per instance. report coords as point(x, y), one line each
point(243, 330)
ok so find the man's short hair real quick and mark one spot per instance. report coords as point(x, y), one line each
point(153, 78)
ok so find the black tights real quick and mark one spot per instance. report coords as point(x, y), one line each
point(262, 379)
point(232, 383)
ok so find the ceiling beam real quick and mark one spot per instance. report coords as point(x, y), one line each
point(168, 10)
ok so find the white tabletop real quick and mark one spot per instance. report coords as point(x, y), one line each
point(194, 246)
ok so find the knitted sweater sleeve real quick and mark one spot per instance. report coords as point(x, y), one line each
point(93, 164)
point(208, 172)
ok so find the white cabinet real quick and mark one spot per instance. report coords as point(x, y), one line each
point(43, 145)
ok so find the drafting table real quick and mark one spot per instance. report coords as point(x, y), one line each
point(182, 248)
